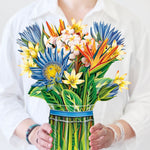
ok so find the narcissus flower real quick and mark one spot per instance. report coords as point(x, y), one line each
point(27, 63)
point(31, 51)
point(73, 78)
point(120, 81)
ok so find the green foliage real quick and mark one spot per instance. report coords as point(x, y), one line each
point(106, 94)
point(84, 99)
point(102, 69)
point(101, 82)
point(41, 44)
point(71, 100)
point(91, 92)
point(53, 99)
point(25, 41)
point(58, 87)
point(36, 92)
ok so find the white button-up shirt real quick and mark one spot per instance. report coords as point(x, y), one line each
point(132, 105)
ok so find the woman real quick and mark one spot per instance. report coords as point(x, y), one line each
point(117, 121)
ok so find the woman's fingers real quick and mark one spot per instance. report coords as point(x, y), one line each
point(44, 144)
point(97, 141)
point(96, 127)
point(42, 148)
point(43, 138)
point(101, 137)
point(97, 134)
point(43, 135)
point(47, 128)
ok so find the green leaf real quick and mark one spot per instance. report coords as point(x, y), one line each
point(91, 92)
point(53, 99)
point(101, 82)
point(41, 43)
point(85, 88)
point(36, 92)
point(58, 87)
point(71, 100)
point(102, 69)
point(25, 41)
point(83, 69)
point(104, 94)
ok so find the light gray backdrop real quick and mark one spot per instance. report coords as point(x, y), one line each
point(9, 7)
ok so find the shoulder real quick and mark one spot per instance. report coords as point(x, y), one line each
point(123, 12)
point(127, 19)
point(21, 18)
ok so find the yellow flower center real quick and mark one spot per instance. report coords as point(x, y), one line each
point(51, 70)
point(73, 80)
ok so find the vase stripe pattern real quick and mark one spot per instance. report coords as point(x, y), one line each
point(70, 133)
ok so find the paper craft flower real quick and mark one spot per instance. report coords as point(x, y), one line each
point(27, 63)
point(53, 30)
point(31, 51)
point(120, 81)
point(76, 26)
point(73, 78)
point(99, 56)
point(69, 67)
point(50, 67)
point(103, 31)
point(32, 34)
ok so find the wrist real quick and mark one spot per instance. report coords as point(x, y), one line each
point(32, 133)
point(115, 133)
point(119, 132)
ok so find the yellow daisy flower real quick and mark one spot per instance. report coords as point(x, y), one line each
point(120, 81)
point(73, 78)
point(31, 51)
point(27, 63)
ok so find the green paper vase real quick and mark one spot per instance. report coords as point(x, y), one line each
point(71, 130)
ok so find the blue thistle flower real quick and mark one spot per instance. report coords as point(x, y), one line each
point(103, 31)
point(32, 34)
point(50, 68)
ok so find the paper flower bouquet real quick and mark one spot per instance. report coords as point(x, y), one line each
point(69, 65)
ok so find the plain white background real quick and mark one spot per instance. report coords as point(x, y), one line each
point(9, 7)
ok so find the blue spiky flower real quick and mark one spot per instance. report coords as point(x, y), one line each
point(51, 67)
point(32, 34)
point(108, 91)
point(103, 31)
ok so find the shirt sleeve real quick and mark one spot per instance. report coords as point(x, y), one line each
point(137, 110)
point(12, 108)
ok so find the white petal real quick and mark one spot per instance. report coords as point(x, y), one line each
point(76, 52)
point(45, 40)
point(79, 75)
point(73, 73)
point(67, 75)
point(71, 56)
point(80, 81)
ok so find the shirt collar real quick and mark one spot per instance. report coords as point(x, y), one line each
point(43, 7)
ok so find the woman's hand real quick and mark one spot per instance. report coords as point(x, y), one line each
point(40, 137)
point(101, 137)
